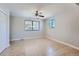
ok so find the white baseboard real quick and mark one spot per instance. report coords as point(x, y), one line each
point(15, 39)
point(67, 44)
point(27, 38)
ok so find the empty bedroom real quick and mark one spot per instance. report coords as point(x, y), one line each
point(39, 29)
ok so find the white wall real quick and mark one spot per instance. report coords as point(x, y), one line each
point(67, 26)
point(18, 32)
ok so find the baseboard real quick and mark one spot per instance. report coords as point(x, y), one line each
point(15, 39)
point(27, 38)
point(67, 44)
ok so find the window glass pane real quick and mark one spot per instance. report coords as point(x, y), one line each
point(28, 25)
point(36, 25)
point(52, 23)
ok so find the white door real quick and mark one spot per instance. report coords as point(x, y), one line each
point(4, 42)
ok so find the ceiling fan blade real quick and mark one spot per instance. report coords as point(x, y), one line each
point(77, 4)
point(41, 15)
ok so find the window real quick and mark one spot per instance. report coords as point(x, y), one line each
point(28, 25)
point(32, 25)
point(52, 23)
point(36, 25)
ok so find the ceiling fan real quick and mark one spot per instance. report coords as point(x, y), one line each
point(77, 4)
point(38, 14)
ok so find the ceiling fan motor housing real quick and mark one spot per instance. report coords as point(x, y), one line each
point(36, 14)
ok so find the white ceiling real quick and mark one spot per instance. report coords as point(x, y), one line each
point(47, 9)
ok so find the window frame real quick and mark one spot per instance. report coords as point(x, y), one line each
point(52, 23)
point(38, 25)
point(32, 25)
